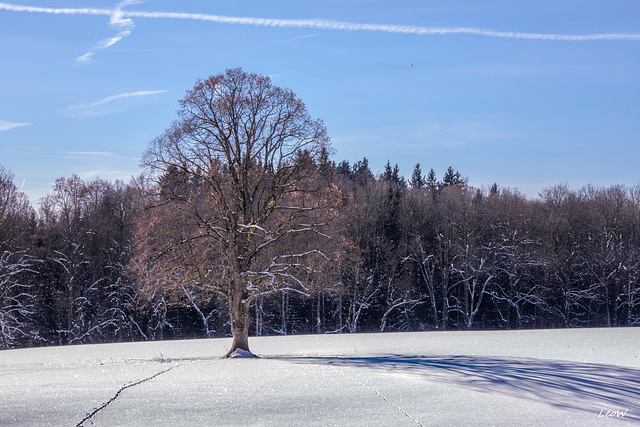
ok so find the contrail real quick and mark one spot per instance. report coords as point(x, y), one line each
point(124, 95)
point(323, 24)
point(401, 29)
point(95, 108)
point(117, 20)
point(55, 11)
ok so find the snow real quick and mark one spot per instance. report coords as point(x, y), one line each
point(573, 377)
point(242, 354)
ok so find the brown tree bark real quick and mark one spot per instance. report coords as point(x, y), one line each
point(240, 315)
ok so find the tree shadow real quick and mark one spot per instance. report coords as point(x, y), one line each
point(594, 388)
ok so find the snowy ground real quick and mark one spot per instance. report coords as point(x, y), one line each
point(578, 377)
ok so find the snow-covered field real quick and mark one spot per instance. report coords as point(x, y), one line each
point(579, 377)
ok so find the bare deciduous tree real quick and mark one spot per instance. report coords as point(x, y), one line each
point(231, 167)
point(16, 297)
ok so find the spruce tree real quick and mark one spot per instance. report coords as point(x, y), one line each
point(417, 180)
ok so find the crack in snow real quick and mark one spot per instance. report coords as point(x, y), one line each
point(393, 404)
point(107, 403)
point(360, 383)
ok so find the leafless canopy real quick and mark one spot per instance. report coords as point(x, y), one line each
point(235, 166)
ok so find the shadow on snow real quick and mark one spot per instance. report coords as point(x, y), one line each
point(595, 388)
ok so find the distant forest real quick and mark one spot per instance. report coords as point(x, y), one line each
point(428, 253)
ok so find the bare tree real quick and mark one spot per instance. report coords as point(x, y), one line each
point(631, 302)
point(402, 299)
point(16, 214)
point(191, 294)
point(230, 166)
point(419, 243)
point(452, 204)
point(475, 274)
point(361, 291)
point(16, 297)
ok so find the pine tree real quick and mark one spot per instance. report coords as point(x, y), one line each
point(417, 180)
point(432, 181)
point(494, 190)
point(344, 169)
point(396, 178)
point(392, 175)
point(326, 166)
point(452, 178)
point(388, 172)
point(361, 173)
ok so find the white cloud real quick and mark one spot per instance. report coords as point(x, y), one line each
point(5, 125)
point(119, 19)
point(111, 104)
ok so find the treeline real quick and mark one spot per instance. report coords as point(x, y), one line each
point(422, 254)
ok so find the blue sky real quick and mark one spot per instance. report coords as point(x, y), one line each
point(527, 94)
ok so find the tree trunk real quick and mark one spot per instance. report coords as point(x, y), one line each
point(259, 322)
point(427, 275)
point(240, 330)
point(445, 299)
point(240, 316)
point(319, 312)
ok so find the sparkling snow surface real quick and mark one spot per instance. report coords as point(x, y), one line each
point(580, 377)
